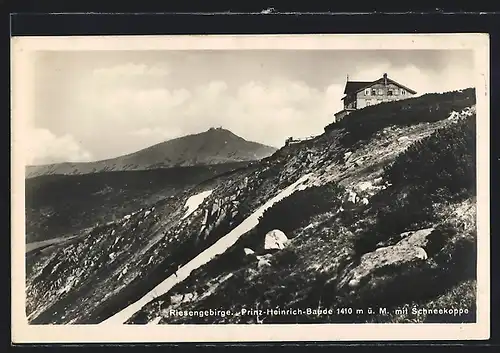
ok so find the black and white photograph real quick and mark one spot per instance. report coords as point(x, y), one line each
point(224, 185)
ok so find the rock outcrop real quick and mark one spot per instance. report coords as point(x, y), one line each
point(368, 273)
point(379, 269)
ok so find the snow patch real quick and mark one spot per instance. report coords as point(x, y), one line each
point(219, 247)
point(195, 201)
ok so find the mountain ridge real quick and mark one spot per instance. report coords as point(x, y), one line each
point(367, 227)
point(213, 146)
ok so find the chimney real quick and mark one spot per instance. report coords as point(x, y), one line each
point(385, 79)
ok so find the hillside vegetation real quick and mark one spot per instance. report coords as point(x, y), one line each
point(64, 205)
point(384, 217)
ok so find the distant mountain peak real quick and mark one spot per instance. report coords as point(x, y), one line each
point(213, 146)
point(220, 128)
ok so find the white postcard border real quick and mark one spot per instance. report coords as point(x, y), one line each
point(22, 111)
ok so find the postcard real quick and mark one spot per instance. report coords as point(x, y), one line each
point(240, 188)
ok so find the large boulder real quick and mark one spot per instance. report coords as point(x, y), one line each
point(368, 272)
point(390, 273)
point(275, 240)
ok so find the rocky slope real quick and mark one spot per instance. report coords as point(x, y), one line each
point(58, 206)
point(378, 213)
point(213, 146)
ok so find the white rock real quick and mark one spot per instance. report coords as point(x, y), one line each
point(248, 251)
point(351, 196)
point(421, 254)
point(176, 299)
point(364, 185)
point(275, 239)
point(263, 262)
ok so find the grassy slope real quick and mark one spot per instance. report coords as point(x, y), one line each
point(145, 247)
point(302, 274)
point(63, 205)
point(439, 172)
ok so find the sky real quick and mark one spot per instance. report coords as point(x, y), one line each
point(94, 105)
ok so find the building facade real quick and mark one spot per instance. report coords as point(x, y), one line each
point(360, 94)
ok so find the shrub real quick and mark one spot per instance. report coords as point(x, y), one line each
point(438, 238)
point(431, 107)
point(438, 169)
point(458, 258)
point(297, 209)
point(286, 258)
point(443, 163)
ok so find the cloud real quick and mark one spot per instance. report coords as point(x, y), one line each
point(453, 77)
point(44, 147)
point(266, 112)
point(121, 109)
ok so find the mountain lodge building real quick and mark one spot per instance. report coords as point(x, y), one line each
point(360, 94)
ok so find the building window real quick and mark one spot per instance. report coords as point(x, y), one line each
point(367, 92)
point(380, 92)
point(403, 92)
point(396, 92)
point(374, 92)
point(368, 102)
point(389, 92)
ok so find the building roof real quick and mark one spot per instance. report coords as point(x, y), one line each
point(356, 86)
